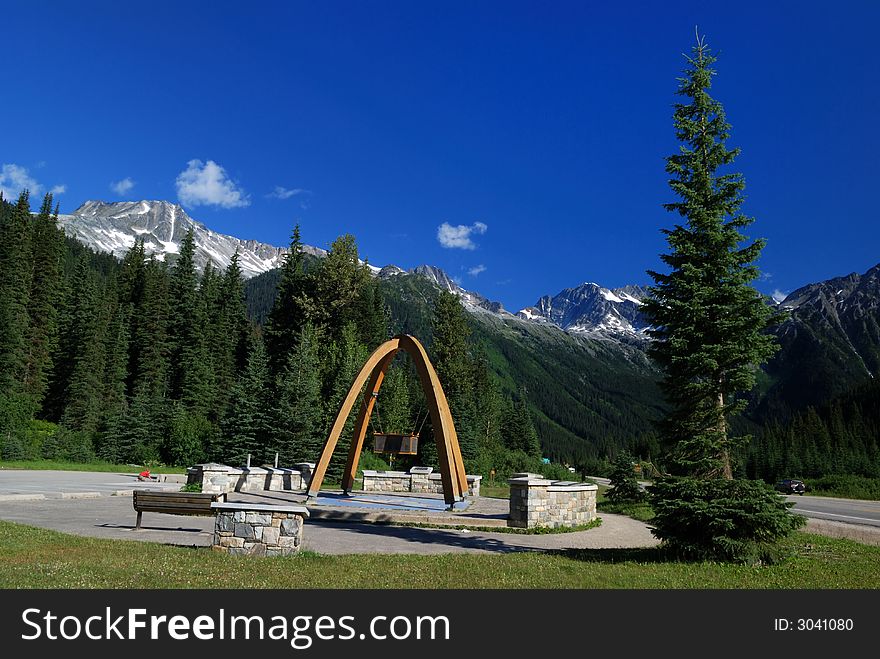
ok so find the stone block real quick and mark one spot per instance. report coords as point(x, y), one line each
point(291, 526)
point(271, 535)
point(232, 541)
point(225, 522)
point(255, 549)
point(239, 515)
point(263, 519)
point(288, 542)
point(244, 531)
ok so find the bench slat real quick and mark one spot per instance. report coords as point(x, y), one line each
point(173, 503)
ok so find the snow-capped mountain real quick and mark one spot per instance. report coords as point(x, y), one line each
point(471, 300)
point(113, 227)
point(590, 308)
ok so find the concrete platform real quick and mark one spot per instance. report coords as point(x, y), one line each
point(113, 517)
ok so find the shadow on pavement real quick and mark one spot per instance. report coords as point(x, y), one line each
point(433, 536)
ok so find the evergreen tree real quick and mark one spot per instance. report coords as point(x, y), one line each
point(16, 405)
point(150, 334)
point(226, 331)
point(340, 286)
point(131, 282)
point(15, 283)
point(519, 430)
point(185, 322)
point(82, 367)
point(371, 315)
point(298, 433)
point(489, 407)
point(188, 434)
point(624, 485)
point(709, 321)
point(344, 358)
point(452, 360)
point(47, 253)
point(291, 307)
point(392, 411)
point(115, 402)
point(247, 426)
point(709, 330)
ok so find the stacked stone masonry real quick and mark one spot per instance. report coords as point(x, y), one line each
point(258, 530)
point(538, 502)
point(423, 483)
point(222, 479)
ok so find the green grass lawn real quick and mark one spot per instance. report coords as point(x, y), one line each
point(38, 558)
point(496, 491)
point(86, 466)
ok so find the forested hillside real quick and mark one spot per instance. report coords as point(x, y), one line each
point(138, 360)
point(145, 362)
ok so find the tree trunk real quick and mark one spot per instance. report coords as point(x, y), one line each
point(726, 469)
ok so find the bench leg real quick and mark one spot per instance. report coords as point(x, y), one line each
point(137, 526)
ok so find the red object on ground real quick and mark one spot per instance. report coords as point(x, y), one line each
point(145, 473)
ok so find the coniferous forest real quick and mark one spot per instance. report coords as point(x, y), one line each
point(145, 362)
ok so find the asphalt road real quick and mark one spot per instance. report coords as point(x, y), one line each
point(849, 511)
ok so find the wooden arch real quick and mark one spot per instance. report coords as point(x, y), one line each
point(448, 452)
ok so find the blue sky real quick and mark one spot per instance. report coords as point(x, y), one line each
point(535, 132)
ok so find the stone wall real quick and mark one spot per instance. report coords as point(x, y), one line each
point(258, 529)
point(419, 482)
point(536, 501)
point(222, 479)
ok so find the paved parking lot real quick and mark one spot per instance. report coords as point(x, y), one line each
point(108, 515)
point(21, 483)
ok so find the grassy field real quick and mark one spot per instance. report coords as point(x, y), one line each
point(496, 491)
point(86, 466)
point(38, 558)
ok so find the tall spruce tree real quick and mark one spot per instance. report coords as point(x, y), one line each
point(115, 401)
point(247, 426)
point(16, 406)
point(340, 285)
point(709, 330)
point(47, 253)
point(450, 346)
point(186, 329)
point(290, 310)
point(85, 336)
point(709, 322)
point(298, 435)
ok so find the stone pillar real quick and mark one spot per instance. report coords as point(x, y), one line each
point(529, 500)
point(536, 501)
point(217, 478)
point(258, 529)
point(306, 469)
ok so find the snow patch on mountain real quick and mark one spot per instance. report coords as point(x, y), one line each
point(114, 226)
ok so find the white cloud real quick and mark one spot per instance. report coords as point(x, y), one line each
point(122, 187)
point(58, 189)
point(280, 192)
point(14, 179)
point(459, 237)
point(206, 184)
point(477, 269)
point(778, 296)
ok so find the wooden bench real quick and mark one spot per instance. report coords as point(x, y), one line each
point(173, 503)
